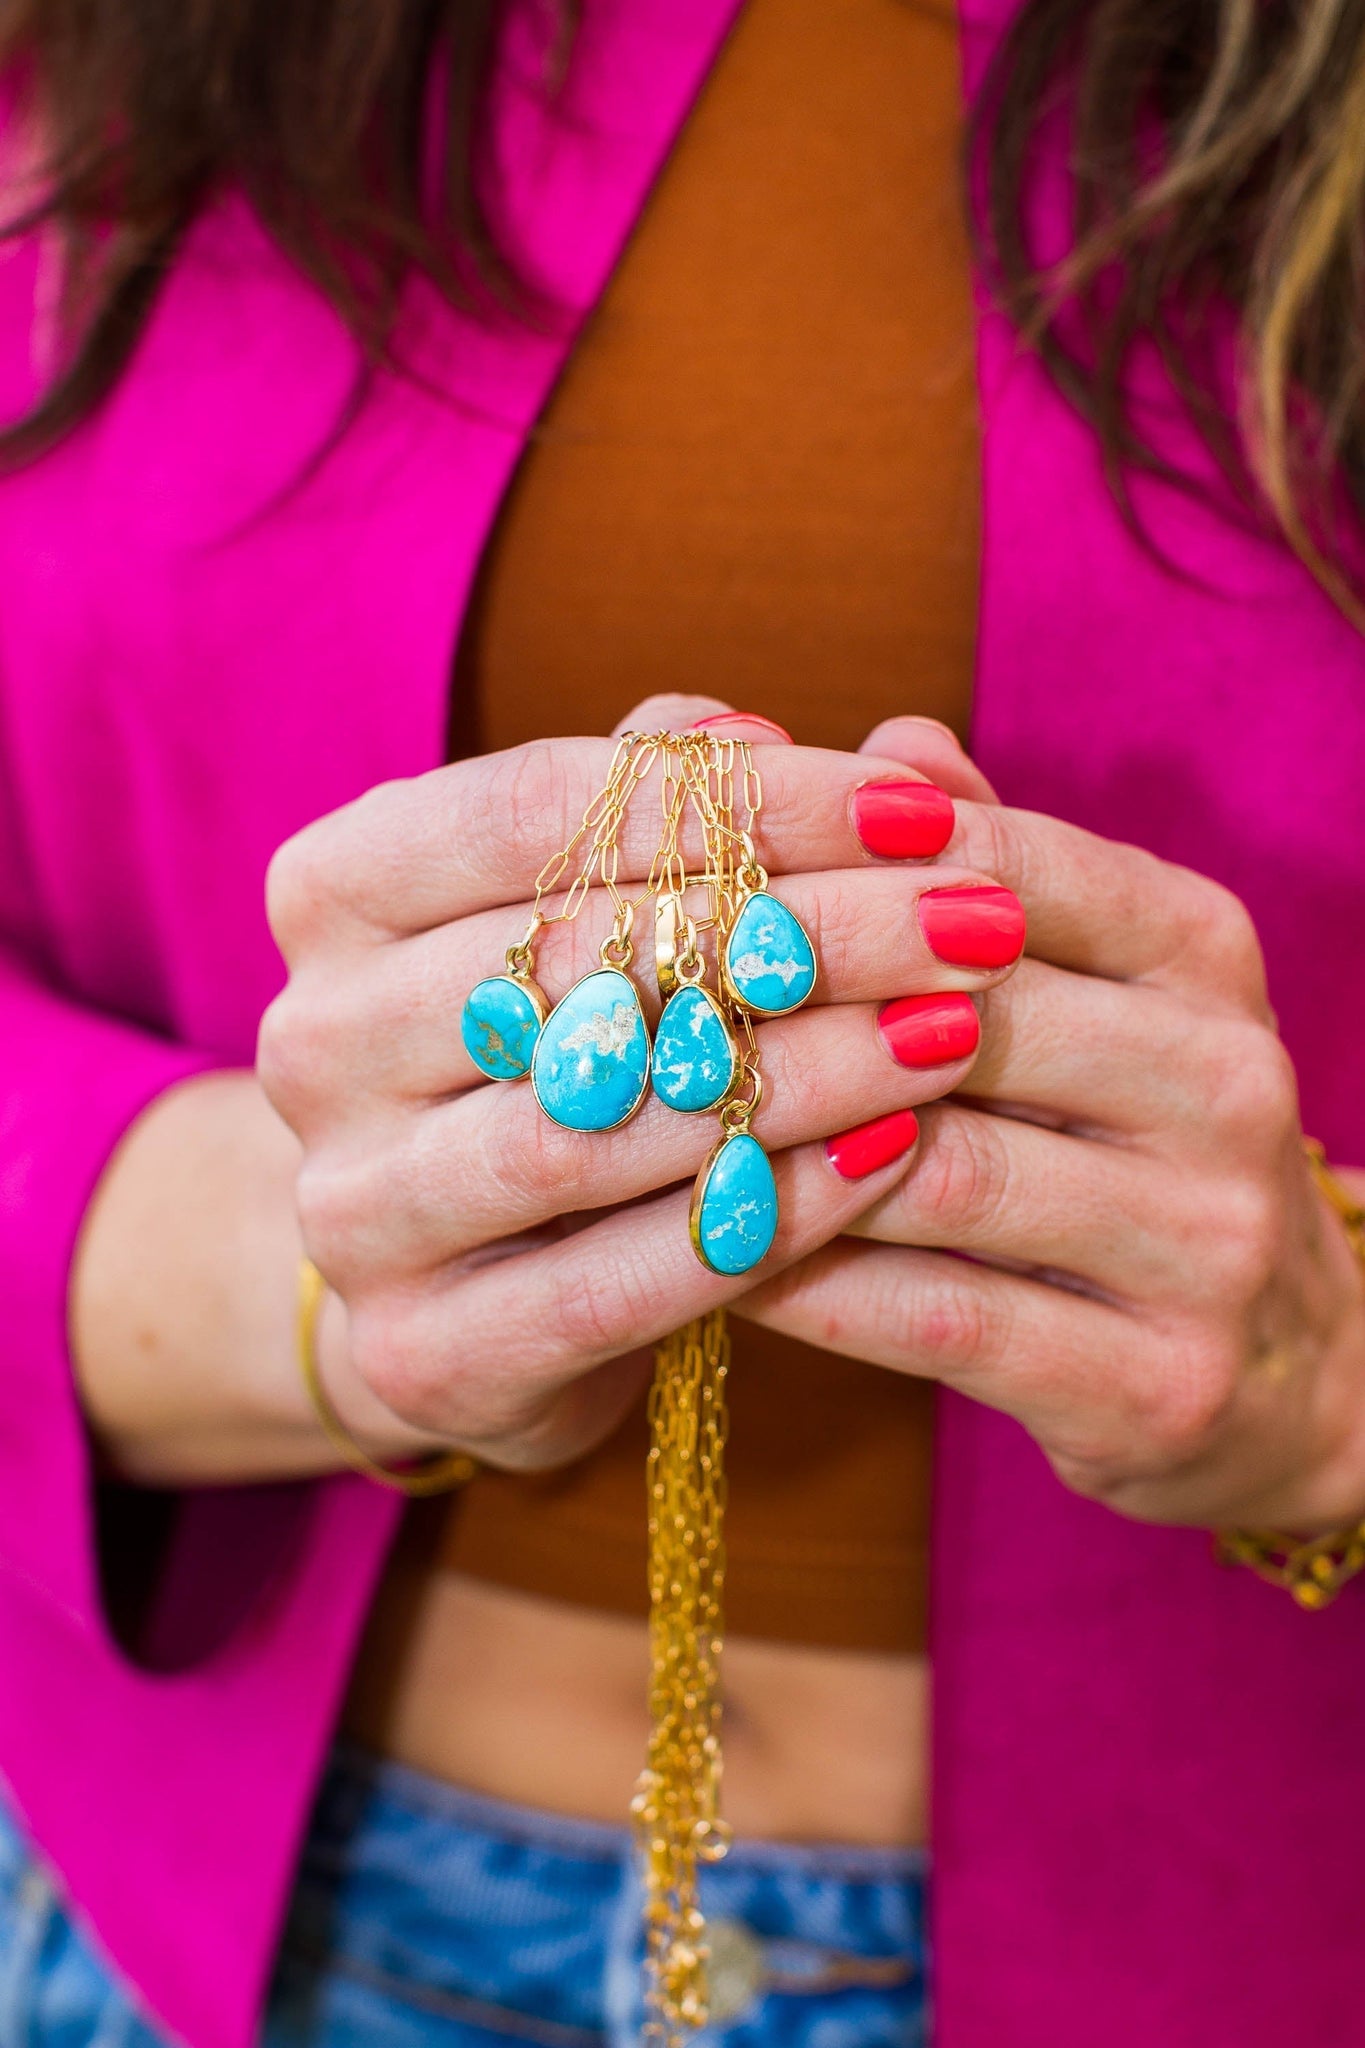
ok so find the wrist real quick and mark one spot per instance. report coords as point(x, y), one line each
point(1327, 1492)
point(1336, 1496)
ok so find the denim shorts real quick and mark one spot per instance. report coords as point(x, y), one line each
point(428, 1917)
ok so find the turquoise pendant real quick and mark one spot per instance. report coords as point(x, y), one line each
point(768, 961)
point(734, 1206)
point(500, 1024)
point(590, 1067)
point(694, 1054)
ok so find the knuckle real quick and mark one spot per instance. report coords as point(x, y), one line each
point(1278, 1088)
point(1216, 929)
point(1252, 1088)
point(1188, 1406)
point(994, 846)
point(963, 1175)
point(274, 1066)
point(298, 888)
point(366, 848)
point(533, 1163)
point(958, 1330)
point(601, 1314)
point(831, 917)
point(527, 791)
point(337, 869)
point(1246, 1242)
point(1007, 846)
point(345, 869)
point(293, 1053)
point(332, 1211)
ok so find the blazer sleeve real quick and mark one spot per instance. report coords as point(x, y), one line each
point(72, 1080)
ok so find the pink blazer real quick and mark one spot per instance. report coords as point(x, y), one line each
point(1150, 1774)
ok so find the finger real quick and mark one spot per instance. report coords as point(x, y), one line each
point(1103, 1059)
point(485, 1357)
point(1113, 1222)
point(386, 1023)
point(489, 1164)
point(1127, 1409)
point(934, 749)
point(1100, 907)
point(669, 711)
point(744, 725)
point(1080, 1374)
point(473, 836)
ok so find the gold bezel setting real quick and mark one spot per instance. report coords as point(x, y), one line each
point(594, 1130)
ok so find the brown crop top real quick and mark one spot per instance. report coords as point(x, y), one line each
point(757, 478)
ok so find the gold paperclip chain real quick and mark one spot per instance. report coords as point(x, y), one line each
point(677, 1802)
point(676, 1807)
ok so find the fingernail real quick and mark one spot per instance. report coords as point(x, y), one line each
point(903, 820)
point(742, 718)
point(928, 1031)
point(972, 927)
point(856, 1153)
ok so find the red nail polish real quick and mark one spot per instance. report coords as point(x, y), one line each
point(854, 1154)
point(903, 820)
point(973, 927)
point(928, 1031)
point(742, 718)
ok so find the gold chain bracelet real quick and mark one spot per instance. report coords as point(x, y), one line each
point(439, 1474)
point(1314, 1571)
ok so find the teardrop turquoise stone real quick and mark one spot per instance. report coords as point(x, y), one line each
point(694, 1055)
point(734, 1212)
point(768, 958)
point(591, 1063)
point(499, 1026)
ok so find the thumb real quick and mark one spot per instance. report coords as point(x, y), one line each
point(673, 712)
point(935, 750)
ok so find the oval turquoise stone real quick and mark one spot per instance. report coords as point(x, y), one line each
point(499, 1026)
point(735, 1208)
point(591, 1063)
point(694, 1055)
point(769, 959)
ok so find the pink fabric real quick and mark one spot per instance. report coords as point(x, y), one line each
point(186, 677)
point(1150, 1783)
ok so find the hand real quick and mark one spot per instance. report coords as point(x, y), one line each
point(496, 1270)
point(1152, 1284)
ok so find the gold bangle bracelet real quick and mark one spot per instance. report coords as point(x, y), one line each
point(439, 1474)
point(1314, 1571)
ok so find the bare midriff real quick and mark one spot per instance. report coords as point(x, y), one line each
point(758, 478)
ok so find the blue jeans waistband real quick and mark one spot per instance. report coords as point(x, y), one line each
point(434, 1909)
point(353, 1770)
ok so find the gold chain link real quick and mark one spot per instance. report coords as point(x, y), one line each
point(601, 827)
point(676, 1807)
point(677, 1801)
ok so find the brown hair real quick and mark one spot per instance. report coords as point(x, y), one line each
point(323, 115)
point(1217, 152)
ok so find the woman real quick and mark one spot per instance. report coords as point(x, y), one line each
point(235, 578)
